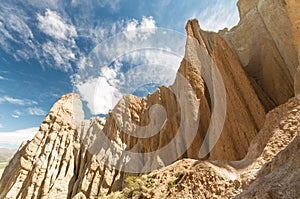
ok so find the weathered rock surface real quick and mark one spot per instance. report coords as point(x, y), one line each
point(270, 169)
point(257, 61)
point(297, 83)
point(47, 166)
point(44, 167)
point(55, 164)
point(294, 14)
point(245, 114)
point(262, 41)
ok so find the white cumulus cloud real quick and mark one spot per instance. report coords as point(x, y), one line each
point(140, 30)
point(53, 25)
point(100, 96)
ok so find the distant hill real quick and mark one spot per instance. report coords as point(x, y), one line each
point(6, 154)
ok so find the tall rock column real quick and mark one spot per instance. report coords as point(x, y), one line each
point(293, 7)
point(46, 166)
point(245, 114)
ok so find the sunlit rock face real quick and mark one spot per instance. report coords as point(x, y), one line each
point(257, 61)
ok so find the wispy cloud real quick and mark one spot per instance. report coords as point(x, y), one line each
point(63, 45)
point(218, 15)
point(1, 126)
point(59, 53)
point(14, 139)
point(3, 78)
point(36, 111)
point(16, 101)
point(13, 27)
point(59, 48)
point(113, 5)
point(16, 114)
point(150, 67)
point(20, 38)
point(141, 57)
point(53, 25)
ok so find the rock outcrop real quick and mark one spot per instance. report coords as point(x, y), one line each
point(263, 42)
point(293, 11)
point(245, 113)
point(297, 83)
point(257, 62)
point(44, 167)
point(269, 170)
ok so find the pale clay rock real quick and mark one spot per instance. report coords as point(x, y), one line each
point(297, 83)
point(264, 45)
point(257, 60)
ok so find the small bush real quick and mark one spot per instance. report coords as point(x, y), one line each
point(176, 181)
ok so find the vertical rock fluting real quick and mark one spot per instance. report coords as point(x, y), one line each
point(294, 14)
point(263, 42)
point(257, 60)
point(245, 113)
point(270, 169)
point(56, 163)
point(45, 166)
point(297, 83)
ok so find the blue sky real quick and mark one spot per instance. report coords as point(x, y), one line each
point(44, 43)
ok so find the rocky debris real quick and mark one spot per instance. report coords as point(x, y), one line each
point(279, 159)
point(270, 169)
point(272, 155)
point(257, 61)
point(280, 178)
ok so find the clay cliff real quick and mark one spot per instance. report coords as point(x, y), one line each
point(262, 41)
point(269, 170)
point(255, 155)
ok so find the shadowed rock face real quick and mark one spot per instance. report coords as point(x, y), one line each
point(263, 41)
point(297, 83)
point(257, 61)
point(245, 113)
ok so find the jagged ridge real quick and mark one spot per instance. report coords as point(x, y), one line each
point(55, 164)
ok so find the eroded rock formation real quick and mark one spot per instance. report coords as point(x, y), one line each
point(45, 166)
point(263, 42)
point(269, 170)
point(257, 61)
